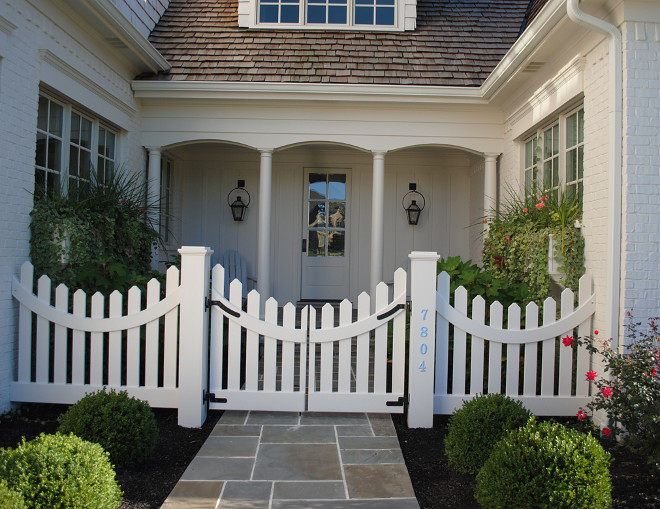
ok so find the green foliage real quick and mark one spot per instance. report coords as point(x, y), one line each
point(546, 465)
point(477, 426)
point(123, 426)
point(630, 395)
point(99, 237)
point(61, 471)
point(478, 281)
point(9, 498)
point(516, 248)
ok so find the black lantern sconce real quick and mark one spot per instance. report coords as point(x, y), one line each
point(239, 200)
point(413, 210)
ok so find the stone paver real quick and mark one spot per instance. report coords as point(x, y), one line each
point(270, 460)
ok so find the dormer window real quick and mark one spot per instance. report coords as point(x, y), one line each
point(389, 15)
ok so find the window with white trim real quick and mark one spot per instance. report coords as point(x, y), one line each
point(71, 146)
point(336, 13)
point(554, 155)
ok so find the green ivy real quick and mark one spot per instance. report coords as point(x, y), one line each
point(99, 238)
point(516, 247)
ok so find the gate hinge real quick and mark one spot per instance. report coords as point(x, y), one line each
point(399, 402)
point(210, 397)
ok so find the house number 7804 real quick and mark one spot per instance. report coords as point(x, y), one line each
point(423, 347)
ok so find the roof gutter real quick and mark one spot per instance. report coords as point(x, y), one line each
point(614, 219)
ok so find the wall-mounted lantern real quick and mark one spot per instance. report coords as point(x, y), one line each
point(413, 210)
point(239, 200)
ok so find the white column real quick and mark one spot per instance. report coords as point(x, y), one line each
point(423, 277)
point(377, 206)
point(193, 337)
point(264, 225)
point(153, 195)
point(490, 183)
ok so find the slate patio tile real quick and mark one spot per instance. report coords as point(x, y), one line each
point(298, 434)
point(236, 430)
point(297, 462)
point(246, 495)
point(369, 443)
point(233, 417)
point(285, 418)
point(355, 431)
point(229, 447)
point(371, 456)
point(294, 490)
point(218, 469)
point(396, 503)
point(378, 481)
point(194, 494)
point(335, 419)
point(382, 425)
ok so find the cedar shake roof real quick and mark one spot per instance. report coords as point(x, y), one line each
point(456, 43)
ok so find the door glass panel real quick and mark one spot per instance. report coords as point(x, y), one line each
point(316, 214)
point(335, 243)
point(317, 186)
point(337, 187)
point(337, 216)
point(316, 245)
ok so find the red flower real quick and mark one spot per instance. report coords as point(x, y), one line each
point(581, 415)
point(567, 340)
point(591, 375)
point(606, 392)
point(653, 372)
point(596, 331)
point(628, 313)
point(484, 220)
point(606, 432)
point(525, 209)
point(540, 205)
point(545, 197)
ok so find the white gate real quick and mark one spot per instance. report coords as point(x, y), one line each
point(276, 364)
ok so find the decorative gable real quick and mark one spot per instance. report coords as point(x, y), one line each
point(372, 15)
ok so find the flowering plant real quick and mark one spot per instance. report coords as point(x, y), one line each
point(630, 396)
point(516, 247)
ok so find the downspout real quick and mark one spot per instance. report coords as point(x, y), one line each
point(615, 159)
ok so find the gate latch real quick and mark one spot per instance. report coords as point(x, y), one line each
point(210, 397)
point(399, 402)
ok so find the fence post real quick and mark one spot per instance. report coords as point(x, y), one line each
point(423, 270)
point(193, 335)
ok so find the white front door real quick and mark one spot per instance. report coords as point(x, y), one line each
point(325, 267)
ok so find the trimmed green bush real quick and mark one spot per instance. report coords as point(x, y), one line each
point(123, 426)
point(546, 465)
point(477, 426)
point(9, 498)
point(61, 471)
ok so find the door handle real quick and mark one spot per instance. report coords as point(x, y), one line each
point(304, 245)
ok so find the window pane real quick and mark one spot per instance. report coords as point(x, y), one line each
point(85, 133)
point(580, 126)
point(73, 162)
point(39, 181)
point(337, 217)
point(547, 144)
point(54, 154)
point(555, 172)
point(316, 243)
point(580, 162)
point(316, 214)
point(75, 128)
point(268, 13)
point(41, 149)
point(547, 174)
point(335, 243)
point(529, 154)
point(555, 139)
point(384, 16)
point(42, 118)
point(317, 186)
point(289, 14)
point(571, 165)
point(337, 14)
point(110, 145)
point(55, 121)
point(85, 164)
point(337, 187)
point(364, 16)
point(571, 130)
point(53, 183)
point(316, 13)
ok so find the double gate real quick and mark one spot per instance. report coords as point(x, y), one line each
point(284, 359)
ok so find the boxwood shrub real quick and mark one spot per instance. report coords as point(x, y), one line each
point(9, 498)
point(477, 426)
point(546, 465)
point(122, 425)
point(61, 471)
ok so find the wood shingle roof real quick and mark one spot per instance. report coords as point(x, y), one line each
point(456, 43)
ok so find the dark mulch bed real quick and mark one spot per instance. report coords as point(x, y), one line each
point(436, 485)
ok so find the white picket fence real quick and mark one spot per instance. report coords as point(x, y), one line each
point(531, 364)
point(260, 364)
point(85, 345)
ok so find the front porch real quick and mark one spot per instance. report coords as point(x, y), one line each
point(283, 245)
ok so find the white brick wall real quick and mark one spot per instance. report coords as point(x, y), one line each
point(641, 169)
point(74, 67)
point(143, 14)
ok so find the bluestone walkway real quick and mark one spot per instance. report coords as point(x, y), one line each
point(274, 460)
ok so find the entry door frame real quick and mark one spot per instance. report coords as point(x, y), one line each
point(339, 288)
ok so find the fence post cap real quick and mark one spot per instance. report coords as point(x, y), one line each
point(195, 250)
point(424, 255)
